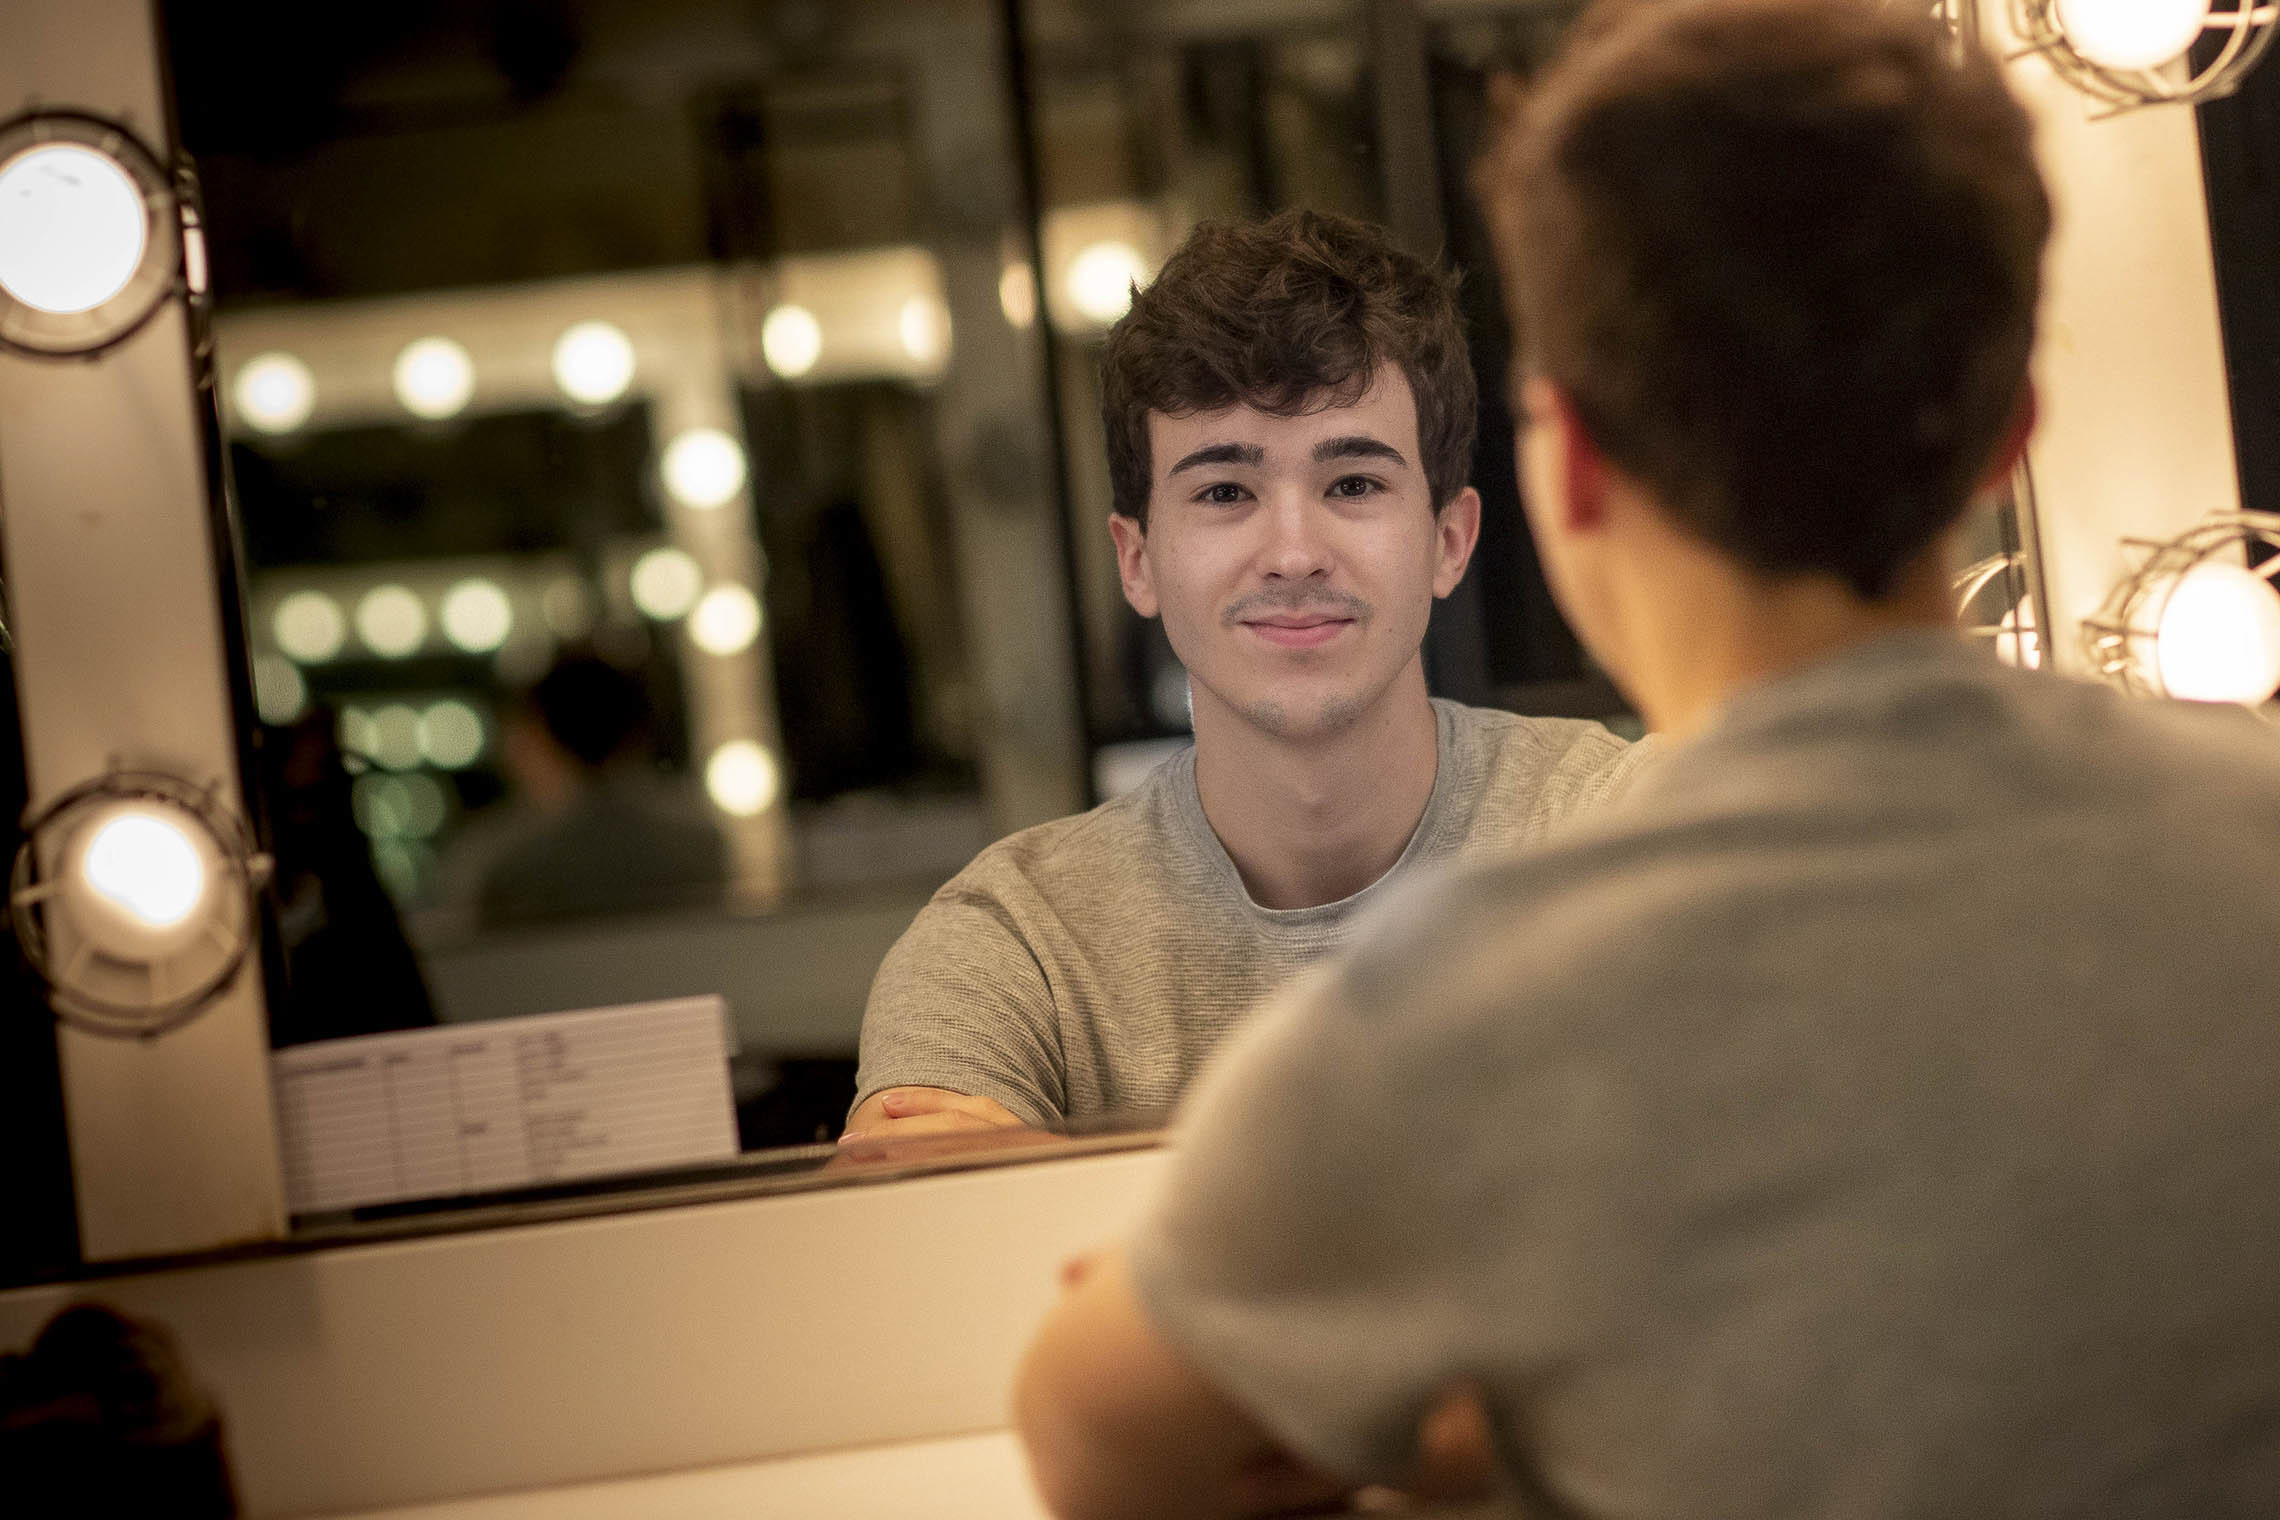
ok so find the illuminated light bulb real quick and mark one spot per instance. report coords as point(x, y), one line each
point(593, 363)
point(356, 732)
point(274, 392)
point(280, 695)
point(396, 737)
point(2218, 639)
point(451, 734)
point(743, 779)
point(73, 228)
point(726, 621)
point(1017, 294)
point(1101, 278)
point(376, 802)
point(309, 626)
point(2017, 642)
point(791, 340)
point(703, 468)
point(434, 378)
point(476, 615)
point(924, 328)
point(398, 807)
point(2131, 34)
point(666, 583)
point(143, 872)
point(391, 621)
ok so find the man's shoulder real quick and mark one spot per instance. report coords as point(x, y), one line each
point(1076, 854)
point(1524, 775)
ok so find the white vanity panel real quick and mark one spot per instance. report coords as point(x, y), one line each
point(661, 1341)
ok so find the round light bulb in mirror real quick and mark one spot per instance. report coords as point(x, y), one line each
point(2131, 34)
point(274, 392)
point(2218, 638)
point(1017, 294)
point(703, 468)
point(280, 694)
point(666, 583)
point(593, 363)
point(451, 735)
point(391, 621)
point(395, 736)
point(726, 620)
point(1101, 278)
point(743, 779)
point(73, 227)
point(476, 615)
point(791, 340)
point(139, 880)
point(434, 378)
point(309, 626)
point(356, 732)
point(924, 328)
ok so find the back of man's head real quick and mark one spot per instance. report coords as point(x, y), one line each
point(1287, 315)
point(1782, 257)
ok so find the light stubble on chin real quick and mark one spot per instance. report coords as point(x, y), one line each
point(1275, 719)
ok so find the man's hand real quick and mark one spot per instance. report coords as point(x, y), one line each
point(898, 1112)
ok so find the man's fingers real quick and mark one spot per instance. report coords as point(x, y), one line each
point(912, 1102)
point(944, 1122)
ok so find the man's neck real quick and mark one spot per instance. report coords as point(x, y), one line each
point(1709, 638)
point(1314, 820)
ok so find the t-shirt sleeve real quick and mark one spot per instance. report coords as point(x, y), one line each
point(961, 1002)
point(1282, 1254)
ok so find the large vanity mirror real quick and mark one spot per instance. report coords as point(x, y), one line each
point(668, 483)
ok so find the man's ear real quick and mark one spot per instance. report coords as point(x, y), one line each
point(2013, 448)
point(1583, 469)
point(1456, 529)
point(1132, 563)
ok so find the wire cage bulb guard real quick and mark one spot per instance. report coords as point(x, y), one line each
point(117, 964)
point(2122, 639)
point(172, 254)
point(2247, 29)
point(2013, 629)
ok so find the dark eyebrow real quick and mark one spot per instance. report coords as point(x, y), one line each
point(1221, 453)
point(1356, 446)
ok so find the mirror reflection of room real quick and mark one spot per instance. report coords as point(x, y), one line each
point(671, 495)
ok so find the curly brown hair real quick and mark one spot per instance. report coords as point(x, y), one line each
point(1289, 315)
point(1783, 257)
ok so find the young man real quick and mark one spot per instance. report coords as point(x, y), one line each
point(1875, 1113)
point(1290, 416)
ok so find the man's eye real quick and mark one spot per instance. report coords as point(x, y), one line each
point(1223, 493)
point(1353, 487)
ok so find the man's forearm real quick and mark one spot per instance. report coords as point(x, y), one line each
point(1119, 1425)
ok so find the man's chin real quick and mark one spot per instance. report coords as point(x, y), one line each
point(1293, 722)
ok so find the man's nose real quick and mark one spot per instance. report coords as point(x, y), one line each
point(1297, 543)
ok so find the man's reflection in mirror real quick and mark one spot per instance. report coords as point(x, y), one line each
point(592, 825)
point(1290, 413)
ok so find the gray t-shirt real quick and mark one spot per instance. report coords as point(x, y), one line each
point(1876, 1115)
point(1085, 968)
